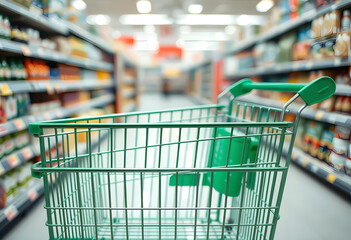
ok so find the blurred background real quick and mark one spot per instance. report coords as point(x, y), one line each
point(78, 58)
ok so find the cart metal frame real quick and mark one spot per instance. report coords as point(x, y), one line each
point(205, 172)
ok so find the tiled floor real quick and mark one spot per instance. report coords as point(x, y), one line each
point(310, 210)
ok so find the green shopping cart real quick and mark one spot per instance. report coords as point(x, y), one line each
point(205, 172)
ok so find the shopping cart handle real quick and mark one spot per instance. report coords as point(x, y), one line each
point(313, 92)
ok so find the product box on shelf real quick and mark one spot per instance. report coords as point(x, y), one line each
point(71, 98)
point(331, 23)
point(284, 44)
point(68, 72)
point(339, 152)
point(326, 143)
point(301, 51)
point(323, 48)
point(24, 3)
point(321, 3)
point(265, 54)
point(306, 6)
point(54, 8)
point(343, 44)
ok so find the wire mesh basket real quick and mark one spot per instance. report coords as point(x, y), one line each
point(206, 172)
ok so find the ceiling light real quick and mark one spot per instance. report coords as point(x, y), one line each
point(264, 5)
point(79, 4)
point(143, 6)
point(100, 19)
point(243, 20)
point(195, 8)
point(206, 19)
point(220, 19)
point(145, 19)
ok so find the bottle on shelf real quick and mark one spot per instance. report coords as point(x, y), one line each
point(7, 28)
point(6, 70)
point(346, 21)
point(13, 70)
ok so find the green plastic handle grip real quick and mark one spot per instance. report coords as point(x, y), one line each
point(313, 92)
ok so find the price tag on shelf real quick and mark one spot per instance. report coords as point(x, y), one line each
point(13, 160)
point(319, 115)
point(26, 50)
point(47, 116)
point(32, 194)
point(19, 124)
point(2, 170)
point(331, 178)
point(27, 153)
point(5, 90)
point(304, 163)
point(49, 89)
point(57, 88)
point(11, 212)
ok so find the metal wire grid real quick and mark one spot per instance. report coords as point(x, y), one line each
point(122, 189)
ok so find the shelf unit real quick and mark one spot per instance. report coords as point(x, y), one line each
point(287, 27)
point(200, 81)
point(21, 203)
point(51, 26)
point(315, 166)
point(52, 86)
point(22, 123)
point(87, 36)
point(48, 27)
point(296, 66)
point(25, 198)
point(152, 78)
point(17, 158)
point(321, 170)
point(128, 84)
point(53, 56)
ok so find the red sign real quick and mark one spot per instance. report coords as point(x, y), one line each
point(169, 51)
point(127, 40)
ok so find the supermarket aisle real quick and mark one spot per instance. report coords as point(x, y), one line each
point(309, 210)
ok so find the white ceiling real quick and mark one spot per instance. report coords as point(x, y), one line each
point(197, 36)
point(116, 8)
